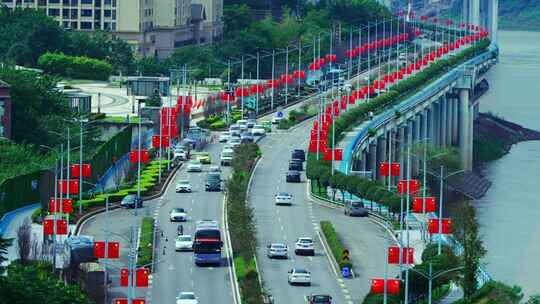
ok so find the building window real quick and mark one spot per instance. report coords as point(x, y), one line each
point(74, 2)
point(65, 24)
point(97, 25)
point(107, 26)
point(97, 14)
point(107, 2)
point(74, 25)
point(54, 1)
point(74, 14)
point(65, 13)
point(86, 25)
point(42, 2)
point(54, 12)
point(87, 1)
point(86, 13)
point(114, 3)
point(113, 26)
point(107, 13)
point(65, 2)
point(114, 14)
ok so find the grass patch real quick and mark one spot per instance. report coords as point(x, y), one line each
point(121, 119)
point(146, 242)
point(486, 149)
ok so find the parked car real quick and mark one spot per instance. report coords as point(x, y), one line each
point(298, 154)
point(355, 208)
point(304, 246)
point(194, 166)
point(277, 250)
point(131, 201)
point(299, 276)
point(183, 242)
point(296, 165)
point(187, 298)
point(319, 299)
point(224, 136)
point(283, 198)
point(178, 215)
point(293, 177)
point(183, 186)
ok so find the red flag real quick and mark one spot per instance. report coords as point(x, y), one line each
point(377, 286)
point(156, 141)
point(433, 226)
point(61, 227)
point(73, 186)
point(384, 169)
point(76, 170)
point(396, 167)
point(141, 277)
point(134, 156)
point(393, 286)
point(66, 203)
point(393, 255)
point(48, 227)
point(124, 277)
point(99, 250)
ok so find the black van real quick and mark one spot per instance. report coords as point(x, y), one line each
point(213, 182)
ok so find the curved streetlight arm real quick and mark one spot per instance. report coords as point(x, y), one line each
point(447, 271)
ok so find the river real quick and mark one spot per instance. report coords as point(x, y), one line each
point(509, 214)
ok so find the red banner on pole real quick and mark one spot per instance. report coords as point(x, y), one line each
point(419, 204)
point(73, 186)
point(124, 277)
point(377, 286)
point(141, 277)
point(384, 169)
point(393, 286)
point(125, 301)
point(395, 168)
point(134, 156)
point(76, 170)
point(433, 226)
point(113, 250)
point(66, 205)
point(156, 141)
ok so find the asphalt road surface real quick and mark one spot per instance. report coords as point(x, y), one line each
point(177, 271)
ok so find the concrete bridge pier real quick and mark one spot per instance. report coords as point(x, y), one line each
point(373, 159)
point(401, 156)
point(455, 121)
point(449, 119)
point(442, 106)
point(465, 129)
point(381, 156)
point(417, 139)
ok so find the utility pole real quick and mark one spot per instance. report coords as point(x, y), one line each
point(273, 78)
point(242, 87)
point(286, 74)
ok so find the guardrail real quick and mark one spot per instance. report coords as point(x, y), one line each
point(410, 103)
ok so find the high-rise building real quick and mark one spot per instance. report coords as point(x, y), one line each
point(151, 27)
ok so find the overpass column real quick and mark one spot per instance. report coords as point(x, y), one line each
point(401, 143)
point(381, 156)
point(363, 166)
point(493, 16)
point(443, 120)
point(449, 119)
point(418, 138)
point(373, 159)
point(455, 121)
point(430, 125)
point(466, 11)
point(436, 124)
point(464, 127)
point(475, 12)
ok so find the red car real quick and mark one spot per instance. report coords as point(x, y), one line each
point(319, 299)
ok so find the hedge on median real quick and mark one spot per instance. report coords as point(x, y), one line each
point(146, 242)
point(242, 225)
point(336, 246)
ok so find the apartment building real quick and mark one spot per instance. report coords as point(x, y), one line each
point(151, 27)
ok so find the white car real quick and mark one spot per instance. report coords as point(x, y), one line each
point(299, 276)
point(183, 186)
point(224, 136)
point(276, 119)
point(194, 166)
point(178, 215)
point(258, 130)
point(234, 130)
point(183, 243)
point(180, 153)
point(186, 298)
point(277, 250)
point(226, 157)
point(283, 198)
point(304, 245)
point(235, 141)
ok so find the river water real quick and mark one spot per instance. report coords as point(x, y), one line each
point(509, 214)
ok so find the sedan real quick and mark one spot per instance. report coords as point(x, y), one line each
point(183, 186)
point(283, 198)
point(186, 298)
point(194, 166)
point(178, 215)
point(183, 243)
point(319, 299)
point(131, 201)
point(258, 130)
point(235, 141)
point(299, 276)
point(246, 137)
point(180, 154)
point(304, 245)
point(224, 136)
point(214, 169)
point(296, 165)
point(293, 177)
point(277, 250)
point(204, 158)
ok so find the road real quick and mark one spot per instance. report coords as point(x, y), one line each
point(177, 271)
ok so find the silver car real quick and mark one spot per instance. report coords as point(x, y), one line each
point(299, 276)
point(277, 250)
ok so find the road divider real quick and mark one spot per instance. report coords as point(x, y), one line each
point(145, 244)
point(339, 253)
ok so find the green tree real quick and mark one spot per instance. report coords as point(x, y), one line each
point(38, 107)
point(466, 231)
point(534, 299)
point(236, 17)
point(4, 245)
point(154, 100)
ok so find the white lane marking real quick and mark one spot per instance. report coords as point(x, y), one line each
point(279, 219)
point(285, 238)
point(310, 259)
point(281, 227)
point(171, 267)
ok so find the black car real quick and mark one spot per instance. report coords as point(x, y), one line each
point(131, 201)
point(296, 165)
point(298, 154)
point(213, 182)
point(319, 299)
point(293, 177)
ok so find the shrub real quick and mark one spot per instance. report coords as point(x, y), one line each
point(74, 66)
point(220, 124)
point(36, 216)
point(145, 243)
point(335, 243)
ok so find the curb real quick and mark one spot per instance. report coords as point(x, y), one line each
point(89, 215)
point(232, 269)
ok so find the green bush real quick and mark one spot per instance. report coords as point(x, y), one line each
point(335, 243)
point(220, 124)
point(74, 66)
point(145, 243)
point(36, 215)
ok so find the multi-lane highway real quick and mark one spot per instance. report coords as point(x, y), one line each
point(177, 271)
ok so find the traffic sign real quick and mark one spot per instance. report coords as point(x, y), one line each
point(279, 114)
point(345, 255)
